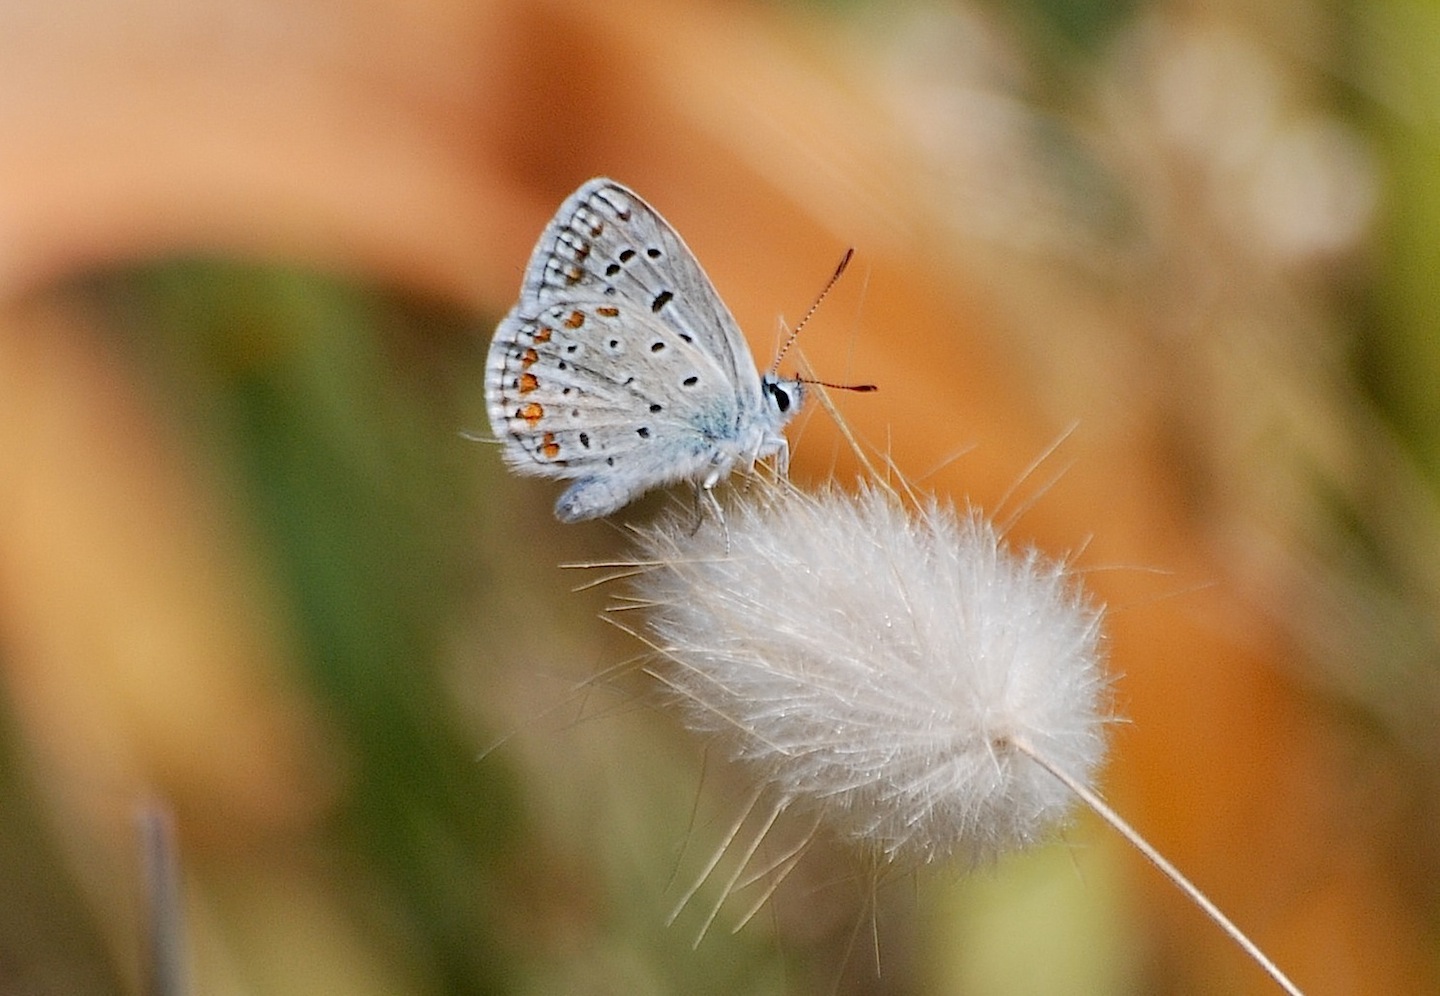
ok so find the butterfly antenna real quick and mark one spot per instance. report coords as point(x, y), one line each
point(795, 332)
point(862, 388)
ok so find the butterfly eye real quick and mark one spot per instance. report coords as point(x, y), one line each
point(780, 395)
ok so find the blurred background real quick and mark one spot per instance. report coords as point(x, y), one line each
point(254, 581)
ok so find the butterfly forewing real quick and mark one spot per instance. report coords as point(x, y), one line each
point(607, 241)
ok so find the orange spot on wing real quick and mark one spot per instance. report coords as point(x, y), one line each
point(548, 447)
point(528, 383)
point(609, 311)
point(574, 320)
point(530, 412)
point(528, 359)
point(543, 333)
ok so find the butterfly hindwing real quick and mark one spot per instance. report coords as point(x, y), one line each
point(585, 388)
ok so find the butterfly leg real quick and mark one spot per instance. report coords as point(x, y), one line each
point(782, 459)
point(705, 500)
point(776, 445)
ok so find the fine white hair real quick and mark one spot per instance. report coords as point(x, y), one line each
point(890, 664)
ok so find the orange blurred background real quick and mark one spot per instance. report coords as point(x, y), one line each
point(253, 576)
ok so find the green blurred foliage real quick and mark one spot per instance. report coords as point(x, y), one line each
point(49, 942)
point(339, 409)
point(1399, 327)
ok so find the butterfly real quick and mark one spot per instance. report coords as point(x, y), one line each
point(621, 370)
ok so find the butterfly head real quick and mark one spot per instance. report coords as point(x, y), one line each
point(783, 396)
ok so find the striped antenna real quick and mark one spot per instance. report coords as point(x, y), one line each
point(795, 333)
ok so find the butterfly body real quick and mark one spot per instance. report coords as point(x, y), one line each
point(620, 368)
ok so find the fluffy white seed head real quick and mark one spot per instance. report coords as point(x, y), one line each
point(879, 662)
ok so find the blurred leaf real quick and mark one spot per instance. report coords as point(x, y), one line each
point(47, 940)
point(339, 409)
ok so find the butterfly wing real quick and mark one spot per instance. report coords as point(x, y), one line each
point(607, 241)
point(619, 366)
point(587, 390)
